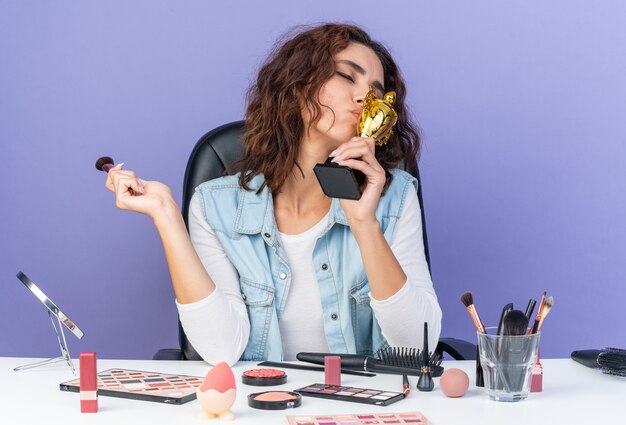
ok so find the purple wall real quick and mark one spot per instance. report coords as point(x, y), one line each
point(522, 110)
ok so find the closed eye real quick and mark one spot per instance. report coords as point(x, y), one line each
point(346, 76)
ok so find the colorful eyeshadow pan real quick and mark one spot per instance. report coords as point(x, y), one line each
point(138, 385)
point(413, 418)
point(357, 395)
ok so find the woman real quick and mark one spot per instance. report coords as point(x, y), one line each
point(272, 267)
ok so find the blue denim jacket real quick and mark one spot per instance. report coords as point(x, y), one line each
point(245, 225)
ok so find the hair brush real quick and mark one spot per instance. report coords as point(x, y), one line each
point(395, 361)
point(610, 360)
point(410, 357)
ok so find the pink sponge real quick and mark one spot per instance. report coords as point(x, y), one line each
point(220, 378)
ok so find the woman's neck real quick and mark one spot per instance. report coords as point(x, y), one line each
point(301, 203)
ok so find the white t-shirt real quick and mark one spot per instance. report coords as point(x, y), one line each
point(218, 326)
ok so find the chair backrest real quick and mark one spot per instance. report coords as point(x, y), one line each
point(213, 154)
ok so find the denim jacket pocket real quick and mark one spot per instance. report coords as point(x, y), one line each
point(256, 294)
point(362, 318)
point(360, 292)
point(259, 300)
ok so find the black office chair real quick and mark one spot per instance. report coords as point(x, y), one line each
point(212, 156)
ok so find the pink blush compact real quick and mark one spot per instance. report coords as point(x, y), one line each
point(274, 400)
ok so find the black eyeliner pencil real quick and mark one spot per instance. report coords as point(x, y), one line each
point(315, 368)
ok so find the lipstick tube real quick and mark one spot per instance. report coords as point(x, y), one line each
point(88, 383)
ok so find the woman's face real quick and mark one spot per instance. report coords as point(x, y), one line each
point(341, 98)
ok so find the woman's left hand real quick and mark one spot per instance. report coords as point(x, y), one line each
point(358, 154)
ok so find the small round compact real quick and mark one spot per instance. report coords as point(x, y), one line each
point(264, 377)
point(274, 400)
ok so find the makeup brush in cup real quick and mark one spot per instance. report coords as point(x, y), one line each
point(505, 310)
point(468, 301)
point(538, 316)
point(515, 323)
point(530, 307)
point(547, 306)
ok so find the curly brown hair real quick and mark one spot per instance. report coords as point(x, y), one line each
point(291, 77)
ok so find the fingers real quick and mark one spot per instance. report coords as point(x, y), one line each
point(357, 147)
point(357, 164)
point(124, 183)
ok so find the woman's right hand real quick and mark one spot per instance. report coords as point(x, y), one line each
point(135, 194)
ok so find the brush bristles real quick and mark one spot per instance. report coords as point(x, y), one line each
point(407, 357)
point(102, 161)
point(547, 305)
point(467, 298)
point(515, 323)
point(613, 359)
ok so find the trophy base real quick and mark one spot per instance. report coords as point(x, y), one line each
point(339, 181)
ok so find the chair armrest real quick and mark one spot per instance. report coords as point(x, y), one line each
point(457, 348)
point(169, 354)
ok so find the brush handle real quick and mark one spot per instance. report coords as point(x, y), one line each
point(314, 368)
point(359, 362)
point(588, 358)
point(505, 310)
point(530, 308)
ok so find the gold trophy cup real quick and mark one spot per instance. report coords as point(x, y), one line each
point(376, 121)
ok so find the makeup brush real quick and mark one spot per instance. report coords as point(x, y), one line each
point(409, 357)
point(611, 361)
point(515, 323)
point(505, 310)
point(468, 301)
point(425, 383)
point(538, 317)
point(530, 307)
point(547, 306)
point(406, 387)
point(104, 163)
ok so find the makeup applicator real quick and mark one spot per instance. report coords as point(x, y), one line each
point(468, 301)
point(104, 163)
point(505, 310)
point(547, 306)
point(515, 323)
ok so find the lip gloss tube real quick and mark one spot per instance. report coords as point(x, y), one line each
point(88, 383)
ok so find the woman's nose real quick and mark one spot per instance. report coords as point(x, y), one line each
point(358, 98)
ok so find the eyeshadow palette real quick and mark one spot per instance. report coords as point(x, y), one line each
point(139, 385)
point(356, 395)
point(414, 418)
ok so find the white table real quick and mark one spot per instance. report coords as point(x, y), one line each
point(571, 394)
